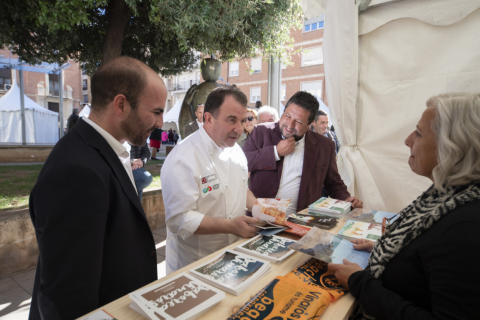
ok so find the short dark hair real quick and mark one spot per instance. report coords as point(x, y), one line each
point(123, 75)
point(217, 96)
point(258, 104)
point(307, 101)
point(320, 113)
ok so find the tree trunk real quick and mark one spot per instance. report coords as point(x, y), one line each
point(118, 15)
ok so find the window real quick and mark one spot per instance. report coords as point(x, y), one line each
point(233, 67)
point(5, 78)
point(313, 87)
point(312, 56)
point(313, 24)
point(84, 72)
point(257, 65)
point(85, 84)
point(54, 106)
point(85, 98)
point(53, 88)
point(283, 93)
point(255, 94)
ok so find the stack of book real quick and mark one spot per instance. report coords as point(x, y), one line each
point(179, 298)
point(273, 249)
point(330, 207)
point(232, 272)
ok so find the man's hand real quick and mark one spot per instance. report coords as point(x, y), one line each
point(137, 163)
point(344, 271)
point(239, 226)
point(286, 146)
point(362, 244)
point(356, 203)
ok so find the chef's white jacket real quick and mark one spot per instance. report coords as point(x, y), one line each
point(199, 178)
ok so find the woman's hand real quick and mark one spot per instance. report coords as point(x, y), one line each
point(344, 271)
point(362, 244)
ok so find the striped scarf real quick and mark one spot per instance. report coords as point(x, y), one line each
point(427, 209)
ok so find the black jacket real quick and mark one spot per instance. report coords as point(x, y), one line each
point(434, 277)
point(156, 134)
point(93, 236)
point(71, 121)
point(140, 153)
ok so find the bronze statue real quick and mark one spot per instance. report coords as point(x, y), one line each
point(197, 94)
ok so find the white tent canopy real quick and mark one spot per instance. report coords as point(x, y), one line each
point(380, 68)
point(85, 111)
point(41, 124)
point(171, 117)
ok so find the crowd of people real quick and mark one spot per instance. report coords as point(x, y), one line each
point(101, 248)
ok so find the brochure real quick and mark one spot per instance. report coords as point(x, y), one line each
point(315, 273)
point(327, 247)
point(273, 249)
point(324, 222)
point(271, 210)
point(284, 298)
point(232, 271)
point(99, 315)
point(360, 230)
point(179, 298)
point(330, 207)
point(372, 216)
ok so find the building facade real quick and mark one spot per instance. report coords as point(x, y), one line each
point(44, 88)
point(307, 72)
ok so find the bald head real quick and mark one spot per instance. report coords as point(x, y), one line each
point(123, 75)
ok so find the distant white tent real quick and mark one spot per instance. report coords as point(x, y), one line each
point(171, 117)
point(85, 111)
point(41, 124)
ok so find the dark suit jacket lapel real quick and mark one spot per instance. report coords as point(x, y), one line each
point(276, 136)
point(195, 125)
point(95, 139)
point(309, 159)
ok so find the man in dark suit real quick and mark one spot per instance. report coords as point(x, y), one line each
point(320, 125)
point(93, 236)
point(193, 126)
point(288, 161)
point(72, 120)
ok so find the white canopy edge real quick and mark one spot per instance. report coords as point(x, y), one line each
point(433, 12)
point(11, 102)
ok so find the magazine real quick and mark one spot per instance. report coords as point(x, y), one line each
point(178, 298)
point(372, 216)
point(285, 298)
point(271, 210)
point(273, 249)
point(330, 207)
point(327, 247)
point(360, 230)
point(315, 273)
point(99, 315)
point(232, 271)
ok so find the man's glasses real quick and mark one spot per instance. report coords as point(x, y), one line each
point(250, 118)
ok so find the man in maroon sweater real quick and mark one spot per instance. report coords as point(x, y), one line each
point(288, 161)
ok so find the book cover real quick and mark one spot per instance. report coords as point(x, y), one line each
point(330, 205)
point(230, 268)
point(313, 221)
point(372, 216)
point(271, 210)
point(361, 230)
point(327, 247)
point(275, 247)
point(178, 298)
point(315, 272)
point(284, 298)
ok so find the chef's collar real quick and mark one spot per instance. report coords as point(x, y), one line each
point(211, 145)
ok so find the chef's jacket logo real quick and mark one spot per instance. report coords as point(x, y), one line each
point(209, 178)
point(211, 188)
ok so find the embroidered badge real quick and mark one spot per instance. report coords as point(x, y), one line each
point(209, 178)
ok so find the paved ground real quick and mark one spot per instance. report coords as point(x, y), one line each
point(16, 291)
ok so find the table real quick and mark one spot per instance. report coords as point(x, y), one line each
point(338, 310)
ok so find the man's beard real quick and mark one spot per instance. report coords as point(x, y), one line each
point(294, 134)
point(133, 128)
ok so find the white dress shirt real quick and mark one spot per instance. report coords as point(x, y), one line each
point(117, 147)
point(291, 175)
point(200, 124)
point(199, 178)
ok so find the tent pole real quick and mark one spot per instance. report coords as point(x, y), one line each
point(60, 94)
point(22, 106)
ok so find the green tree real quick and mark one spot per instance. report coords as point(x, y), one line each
point(165, 34)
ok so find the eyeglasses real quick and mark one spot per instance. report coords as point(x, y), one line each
point(250, 118)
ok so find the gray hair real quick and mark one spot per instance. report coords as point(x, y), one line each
point(457, 128)
point(75, 111)
point(267, 109)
